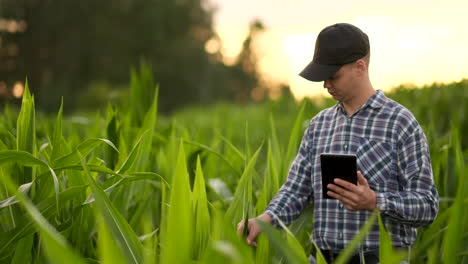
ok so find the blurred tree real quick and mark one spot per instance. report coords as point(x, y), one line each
point(245, 68)
point(63, 46)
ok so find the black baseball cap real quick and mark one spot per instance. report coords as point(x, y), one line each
point(336, 45)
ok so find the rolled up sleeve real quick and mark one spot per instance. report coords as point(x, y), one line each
point(418, 203)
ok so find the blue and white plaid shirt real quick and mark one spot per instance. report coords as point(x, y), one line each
point(392, 154)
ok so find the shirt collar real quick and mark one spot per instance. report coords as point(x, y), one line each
point(376, 101)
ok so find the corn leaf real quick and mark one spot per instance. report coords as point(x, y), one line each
point(120, 229)
point(84, 148)
point(456, 225)
point(26, 131)
point(386, 252)
point(201, 213)
point(177, 243)
point(132, 156)
point(295, 137)
point(57, 144)
point(109, 251)
point(291, 250)
point(23, 250)
point(26, 225)
point(26, 159)
point(243, 193)
point(55, 245)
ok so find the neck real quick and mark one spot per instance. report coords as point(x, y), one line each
point(352, 104)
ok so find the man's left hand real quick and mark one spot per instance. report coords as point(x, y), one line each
point(354, 197)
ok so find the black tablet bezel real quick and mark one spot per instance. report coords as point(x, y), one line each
point(341, 166)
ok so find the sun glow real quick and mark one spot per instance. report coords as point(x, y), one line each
point(408, 45)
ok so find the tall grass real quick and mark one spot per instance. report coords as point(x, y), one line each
point(130, 186)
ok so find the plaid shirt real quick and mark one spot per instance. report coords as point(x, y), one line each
point(392, 154)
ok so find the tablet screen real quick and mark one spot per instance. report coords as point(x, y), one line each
point(333, 166)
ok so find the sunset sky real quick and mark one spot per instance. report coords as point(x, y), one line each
point(416, 41)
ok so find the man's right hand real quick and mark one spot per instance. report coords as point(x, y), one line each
point(254, 228)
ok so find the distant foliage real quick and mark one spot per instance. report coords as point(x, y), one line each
point(82, 50)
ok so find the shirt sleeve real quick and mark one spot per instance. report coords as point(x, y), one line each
point(296, 193)
point(418, 202)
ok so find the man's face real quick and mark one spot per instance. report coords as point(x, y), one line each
point(340, 85)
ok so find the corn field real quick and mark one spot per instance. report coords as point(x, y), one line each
point(132, 186)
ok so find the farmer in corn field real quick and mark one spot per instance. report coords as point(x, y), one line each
point(393, 161)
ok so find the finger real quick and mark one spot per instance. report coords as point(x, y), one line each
point(240, 227)
point(338, 189)
point(252, 243)
point(361, 179)
point(348, 203)
point(352, 195)
point(251, 237)
point(344, 184)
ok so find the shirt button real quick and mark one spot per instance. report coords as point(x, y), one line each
point(340, 235)
point(345, 146)
point(341, 205)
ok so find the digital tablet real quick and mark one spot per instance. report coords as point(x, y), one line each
point(333, 166)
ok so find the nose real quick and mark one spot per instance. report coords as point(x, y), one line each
point(326, 84)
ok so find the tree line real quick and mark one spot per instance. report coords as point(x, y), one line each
point(70, 48)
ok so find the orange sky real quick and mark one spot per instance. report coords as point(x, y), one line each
point(414, 41)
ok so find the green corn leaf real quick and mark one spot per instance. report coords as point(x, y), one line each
point(201, 213)
point(243, 193)
point(453, 237)
point(132, 157)
point(291, 250)
point(57, 138)
point(150, 240)
point(24, 188)
point(127, 179)
point(177, 243)
point(221, 156)
point(26, 133)
point(276, 163)
point(26, 159)
point(231, 146)
point(319, 256)
point(47, 208)
point(55, 245)
point(295, 135)
point(93, 168)
point(226, 246)
point(112, 133)
point(84, 148)
point(143, 162)
point(109, 251)
point(270, 184)
point(23, 250)
point(248, 152)
point(386, 252)
point(120, 229)
point(262, 253)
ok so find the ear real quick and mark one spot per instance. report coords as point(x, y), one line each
point(361, 67)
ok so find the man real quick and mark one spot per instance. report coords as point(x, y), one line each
point(393, 162)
